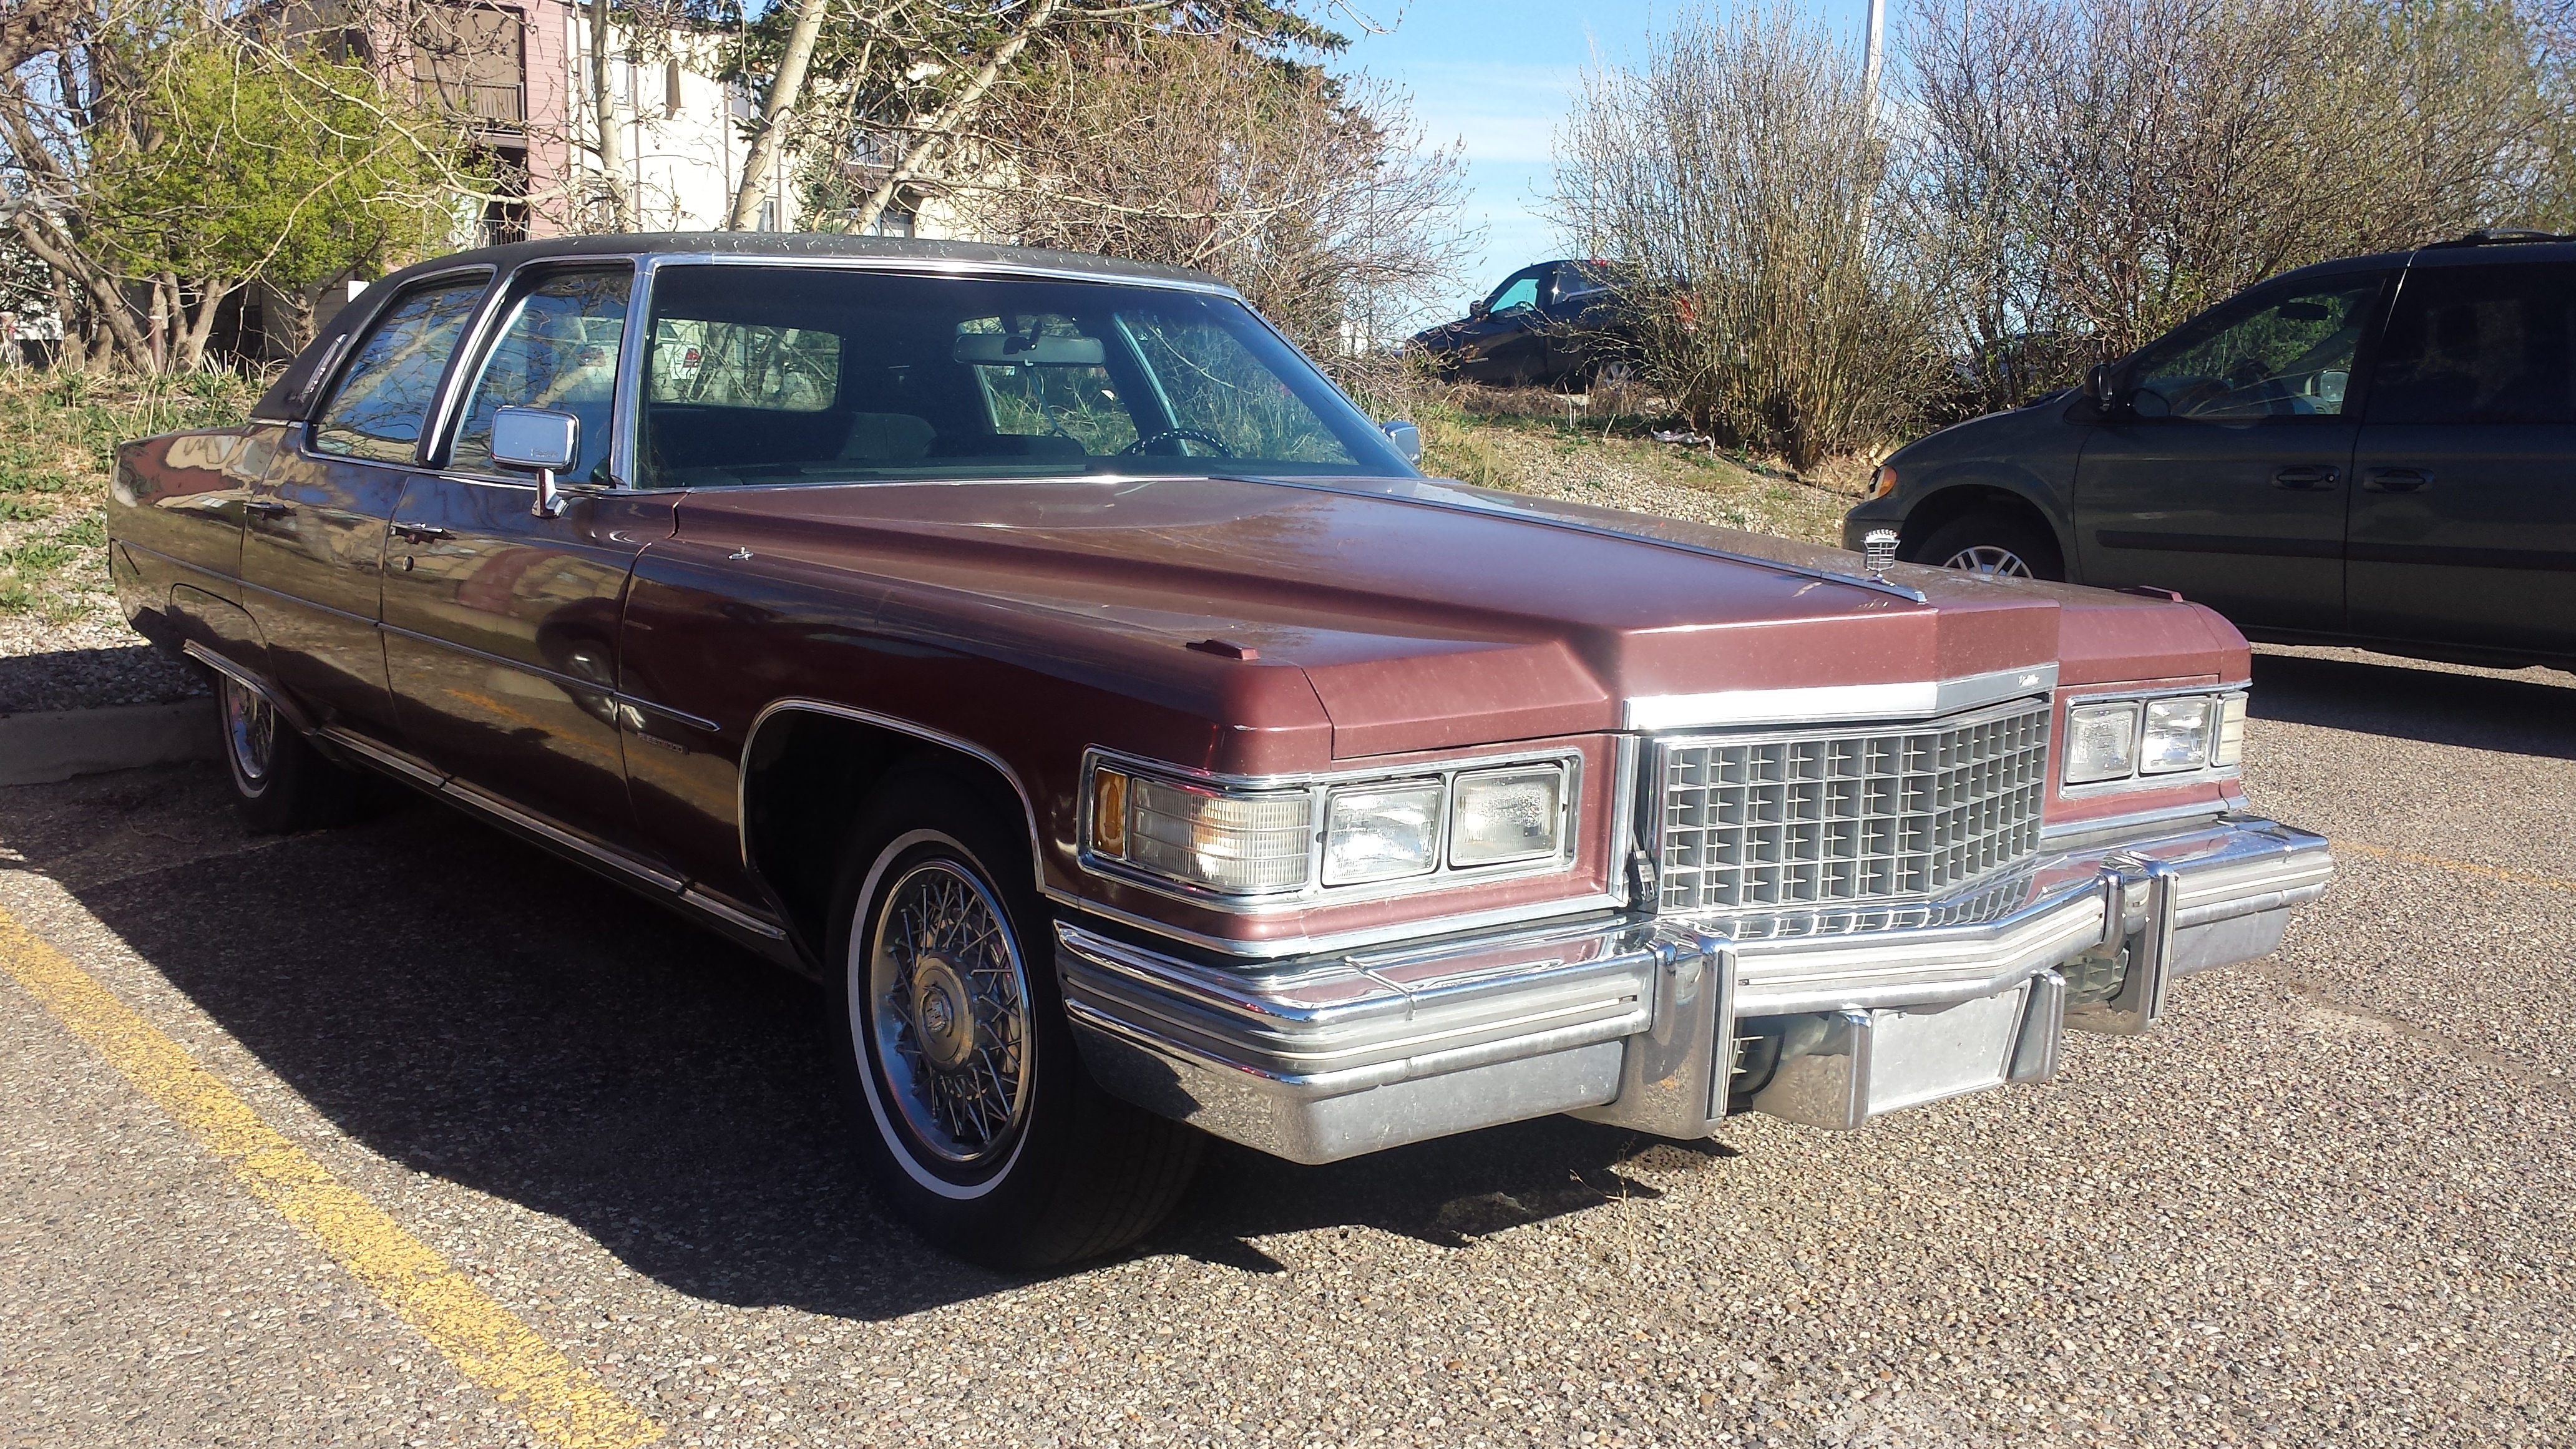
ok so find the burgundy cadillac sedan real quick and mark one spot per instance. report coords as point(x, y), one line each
point(1038, 650)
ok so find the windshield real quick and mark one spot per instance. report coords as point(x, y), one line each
point(768, 374)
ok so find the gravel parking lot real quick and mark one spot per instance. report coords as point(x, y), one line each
point(2331, 1204)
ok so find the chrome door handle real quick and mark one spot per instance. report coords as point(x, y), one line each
point(266, 507)
point(2305, 479)
point(2396, 480)
point(420, 532)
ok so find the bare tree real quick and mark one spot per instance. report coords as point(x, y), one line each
point(2086, 173)
point(1737, 171)
point(778, 114)
point(609, 139)
point(1313, 195)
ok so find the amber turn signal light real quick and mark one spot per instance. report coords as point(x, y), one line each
point(1108, 813)
point(1882, 482)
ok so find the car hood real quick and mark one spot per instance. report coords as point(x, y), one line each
point(1423, 614)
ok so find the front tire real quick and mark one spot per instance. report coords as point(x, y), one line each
point(280, 782)
point(969, 1104)
point(1994, 544)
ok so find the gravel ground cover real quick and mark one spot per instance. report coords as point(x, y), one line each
point(2327, 1205)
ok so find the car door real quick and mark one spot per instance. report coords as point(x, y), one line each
point(2223, 473)
point(2464, 525)
point(1578, 312)
point(1508, 344)
point(501, 627)
point(313, 534)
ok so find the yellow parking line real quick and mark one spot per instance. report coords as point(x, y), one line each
point(487, 1343)
point(2463, 867)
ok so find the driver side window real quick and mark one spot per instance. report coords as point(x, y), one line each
point(2287, 355)
point(1520, 291)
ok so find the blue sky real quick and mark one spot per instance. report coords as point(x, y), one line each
point(1500, 75)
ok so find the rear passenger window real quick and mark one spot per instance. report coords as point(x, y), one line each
point(743, 365)
point(384, 397)
point(2484, 344)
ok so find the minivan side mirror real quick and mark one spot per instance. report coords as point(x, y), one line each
point(1478, 309)
point(542, 441)
point(2103, 388)
point(1406, 437)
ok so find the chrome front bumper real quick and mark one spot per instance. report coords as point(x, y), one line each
point(1652, 1022)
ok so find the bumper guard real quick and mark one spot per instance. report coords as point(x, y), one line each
point(1645, 1022)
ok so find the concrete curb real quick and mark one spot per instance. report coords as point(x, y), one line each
point(40, 749)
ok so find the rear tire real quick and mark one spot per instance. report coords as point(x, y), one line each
point(280, 782)
point(1992, 543)
point(968, 1102)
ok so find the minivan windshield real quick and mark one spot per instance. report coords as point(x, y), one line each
point(781, 374)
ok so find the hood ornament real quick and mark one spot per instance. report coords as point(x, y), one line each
point(1879, 544)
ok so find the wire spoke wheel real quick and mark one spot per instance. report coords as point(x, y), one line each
point(950, 1013)
point(250, 729)
point(1989, 560)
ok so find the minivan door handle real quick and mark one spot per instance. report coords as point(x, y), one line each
point(2306, 479)
point(2395, 480)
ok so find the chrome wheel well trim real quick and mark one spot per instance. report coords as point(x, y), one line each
point(248, 679)
point(799, 704)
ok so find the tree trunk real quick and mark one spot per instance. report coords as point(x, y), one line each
point(786, 92)
point(611, 144)
point(108, 305)
point(918, 158)
point(201, 324)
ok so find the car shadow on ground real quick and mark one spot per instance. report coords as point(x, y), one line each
point(469, 1007)
point(2531, 714)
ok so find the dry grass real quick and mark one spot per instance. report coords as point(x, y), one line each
point(58, 437)
point(1521, 440)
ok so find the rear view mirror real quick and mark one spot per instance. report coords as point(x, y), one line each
point(1406, 437)
point(1477, 309)
point(540, 440)
point(1002, 349)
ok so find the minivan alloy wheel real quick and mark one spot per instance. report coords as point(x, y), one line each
point(1990, 561)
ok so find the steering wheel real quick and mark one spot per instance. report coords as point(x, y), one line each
point(1195, 435)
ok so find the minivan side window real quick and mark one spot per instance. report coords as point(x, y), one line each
point(383, 399)
point(2482, 344)
point(2288, 354)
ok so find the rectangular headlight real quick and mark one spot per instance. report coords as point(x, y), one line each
point(2101, 742)
point(1238, 844)
point(1382, 832)
point(2230, 749)
point(2177, 735)
point(1502, 815)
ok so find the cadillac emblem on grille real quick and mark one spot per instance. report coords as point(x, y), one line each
point(1766, 821)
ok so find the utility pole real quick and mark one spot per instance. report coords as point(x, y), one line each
point(1869, 64)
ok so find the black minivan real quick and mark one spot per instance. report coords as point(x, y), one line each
point(2376, 451)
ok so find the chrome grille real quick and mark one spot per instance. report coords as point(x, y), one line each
point(1762, 822)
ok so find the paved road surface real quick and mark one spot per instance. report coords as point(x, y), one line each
point(2334, 1203)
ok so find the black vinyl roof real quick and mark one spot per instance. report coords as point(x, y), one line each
point(813, 246)
point(287, 398)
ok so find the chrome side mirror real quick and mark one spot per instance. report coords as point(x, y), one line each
point(542, 441)
point(1406, 437)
